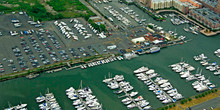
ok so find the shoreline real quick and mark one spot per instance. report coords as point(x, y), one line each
point(72, 64)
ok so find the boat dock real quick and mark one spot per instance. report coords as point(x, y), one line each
point(55, 70)
point(184, 69)
point(161, 90)
point(81, 99)
point(127, 94)
point(161, 87)
point(118, 82)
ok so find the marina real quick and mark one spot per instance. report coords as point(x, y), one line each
point(48, 101)
point(161, 87)
point(118, 82)
point(205, 62)
point(17, 90)
point(83, 99)
point(184, 69)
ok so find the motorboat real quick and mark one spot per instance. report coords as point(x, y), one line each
point(107, 80)
point(158, 79)
point(71, 89)
point(162, 81)
point(178, 96)
point(118, 92)
point(190, 78)
point(165, 84)
point(185, 75)
point(142, 103)
point(172, 90)
point(91, 101)
point(127, 102)
point(119, 77)
point(113, 85)
point(40, 99)
point(131, 106)
point(126, 99)
point(217, 72)
point(139, 98)
point(152, 75)
point(147, 108)
point(150, 71)
point(77, 102)
point(140, 70)
point(168, 88)
point(167, 101)
point(132, 94)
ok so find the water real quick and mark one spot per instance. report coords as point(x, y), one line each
point(25, 90)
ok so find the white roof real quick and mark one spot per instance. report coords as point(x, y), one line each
point(140, 39)
point(157, 41)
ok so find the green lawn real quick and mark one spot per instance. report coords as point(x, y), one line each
point(64, 8)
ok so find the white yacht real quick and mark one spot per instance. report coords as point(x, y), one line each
point(139, 98)
point(150, 71)
point(162, 81)
point(167, 101)
point(132, 94)
point(141, 69)
point(40, 99)
point(131, 106)
point(217, 72)
point(126, 99)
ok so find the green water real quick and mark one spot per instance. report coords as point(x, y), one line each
point(25, 90)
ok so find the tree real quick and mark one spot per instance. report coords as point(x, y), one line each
point(102, 27)
point(86, 17)
point(170, 106)
point(190, 99)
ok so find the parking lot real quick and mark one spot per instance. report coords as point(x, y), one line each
point(29, 45)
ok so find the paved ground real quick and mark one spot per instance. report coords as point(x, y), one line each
point(7, 41)
point(214, 103)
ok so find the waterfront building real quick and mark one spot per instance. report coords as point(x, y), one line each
point(206, 17)
point(213, 5)
point(181, 5)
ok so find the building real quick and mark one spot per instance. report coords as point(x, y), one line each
point(97, 20)
point(206, 17)
point(213, 5)
point(181, 5)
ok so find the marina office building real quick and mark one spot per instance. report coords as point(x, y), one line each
point(181, 5)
